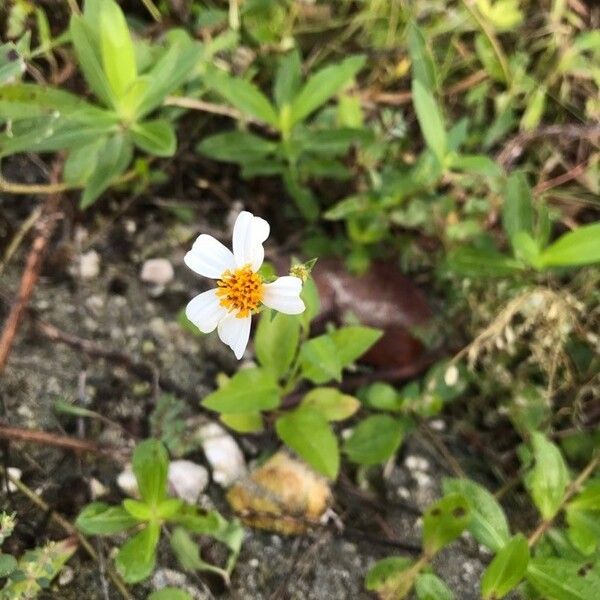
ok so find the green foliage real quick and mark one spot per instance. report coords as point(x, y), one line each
point(444, 521)
point(143, 519)
point(430, 587)
point(506, 570)
point(374, 440)
point(560, 579)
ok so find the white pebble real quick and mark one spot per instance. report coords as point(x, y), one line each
point(158, 271)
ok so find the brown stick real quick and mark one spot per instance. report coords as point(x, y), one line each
point(45, 227)
point(44, 438)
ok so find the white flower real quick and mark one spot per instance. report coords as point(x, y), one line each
point(241, 290)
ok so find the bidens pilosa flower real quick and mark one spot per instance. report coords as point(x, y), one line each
point(240, 288)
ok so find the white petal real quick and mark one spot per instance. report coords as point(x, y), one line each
point(284, 295)
point(205, 311)
point(235, 333)
point(249, 233)
point(209, 258)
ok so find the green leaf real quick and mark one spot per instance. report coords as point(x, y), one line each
point(118, 56)
point(323, 85)
point(526, 249)
point(169, 508)
point(478, 164)
point(250, 422)
point(320, 361)
point(384, 570)
point(169, 593)
point(383, 396)
point(423, 67)
point(584, 529)
point(588, 498)
point(517, 209)
point(444, 521)
point(150, 465)
point(308, 434)
point(81, 162)
point(430, 587)
point(489, 525)
point(236, 146)
point(244, 95)
point(507, 569)
point(137, 557)
point(331, 403)
point(352, 342)
point(430, 120)
point(303, 197)
point(330, 142)
point(559, 579)
point(276, 341)
point(176, 65)
point(310, 295)
point(249, 390)
point(288, 78)
point(99, 518)
point(113, 158)
point(549, 478)
point(374, 440)
point(188, 554)
point(88, 56)
point(478, 262)
point(138, 510)
point(579, 247)
point(155, 137)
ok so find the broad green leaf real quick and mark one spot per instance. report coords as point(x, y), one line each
point(320, 361)
point(249, 390)
point(176, 65)
point(276, 341)
point(331, 403)
point(588, 498)
point(478, 262)
point(374, 440)
point(155, 137)
point(137, 557)
point(169, 593)
point(353, 341)
point(308, 434)
point(330, 142)
point(584, 529)
point(444, 521)
point(430, 587)
point(423, 67)
point(479, 164)
point(559, 579)
point(323, 85)
point(113, 158)
point(236, 146)
point(250, 422)
point(12, 64)
point(507, 569)
point(88, 56)
point(195, 520)
point(150, 465)
point(489, 525)
point(310, 295)
point(287, 78)
point(8, 563)
point(579, 247)
point(430, 120)
point(244, 95)
point(118, 56)
point(517, 208)
point(549, 478)
point(526, 248)
point(536, 104)
point(384, 570)
point(383, 396)
point(99, 518)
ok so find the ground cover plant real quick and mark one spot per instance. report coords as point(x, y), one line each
point(390, 388)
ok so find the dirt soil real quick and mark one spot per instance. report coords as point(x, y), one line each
point(117, 310)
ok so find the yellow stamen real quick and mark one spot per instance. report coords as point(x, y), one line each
point(241, 290)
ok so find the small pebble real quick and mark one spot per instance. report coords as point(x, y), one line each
point(158, 271)
point(89, 265)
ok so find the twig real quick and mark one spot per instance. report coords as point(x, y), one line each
point(68, 527)
point(571, 491)
point(44, 438)
point(573, 173)
point(18, 238)
point(46, 224)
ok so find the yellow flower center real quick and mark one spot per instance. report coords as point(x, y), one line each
point(241, 290)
